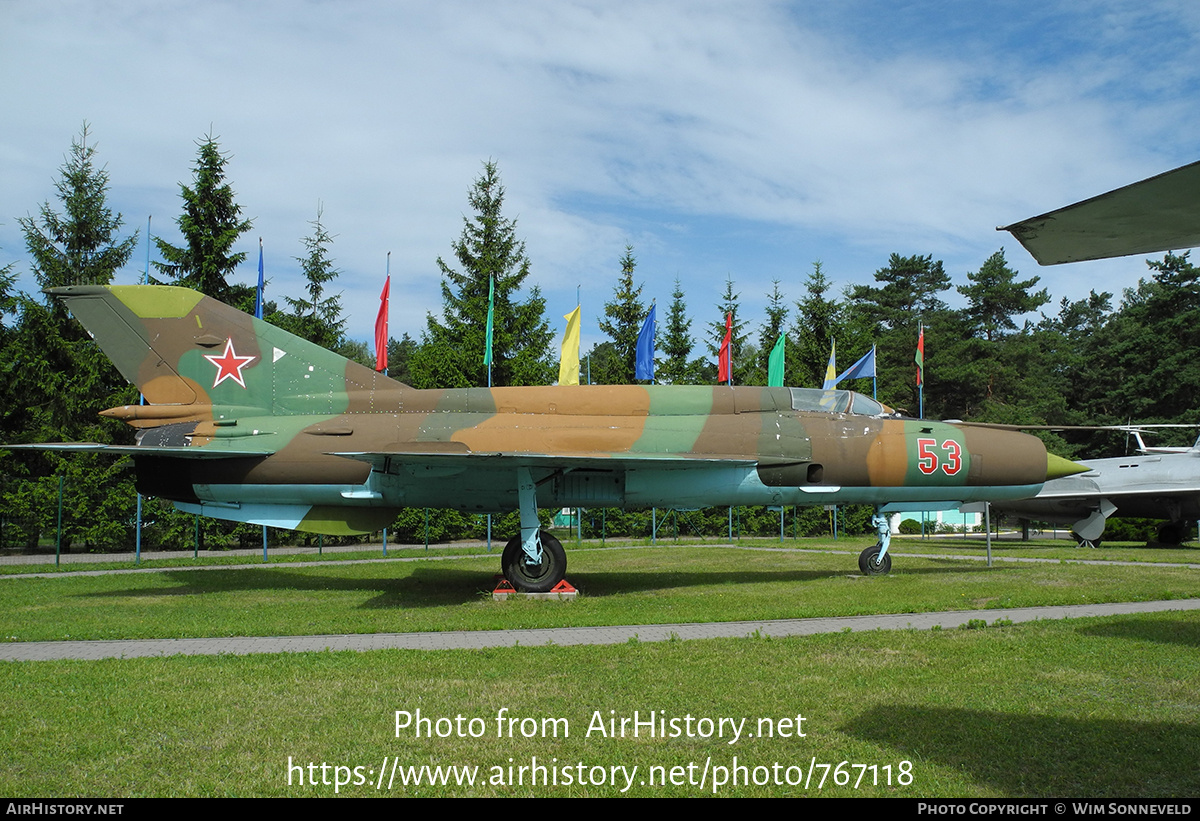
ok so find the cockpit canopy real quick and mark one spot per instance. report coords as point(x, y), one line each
point(819, 400)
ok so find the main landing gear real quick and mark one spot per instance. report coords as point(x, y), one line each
point(534, 561)
point(534, 576)
point(875, 560)
point(1173, 533)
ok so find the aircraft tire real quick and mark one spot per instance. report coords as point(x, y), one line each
point(869, 564)
point(531, 578)
point(1172, 533)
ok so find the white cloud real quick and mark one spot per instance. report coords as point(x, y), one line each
point(742, 140)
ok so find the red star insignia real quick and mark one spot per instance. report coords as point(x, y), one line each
point(229, 364)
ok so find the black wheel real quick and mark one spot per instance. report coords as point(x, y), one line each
point(870, 565)
point(534, 578)
point(1173, 533)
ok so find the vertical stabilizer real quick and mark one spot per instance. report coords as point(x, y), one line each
point(182, 348)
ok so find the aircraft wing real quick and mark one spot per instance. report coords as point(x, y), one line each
point(1161, 213)
point(382, 460)
point(1157, 489)
point(135, 450)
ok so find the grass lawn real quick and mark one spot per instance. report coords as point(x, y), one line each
point(1101, 707)
point(644, 585)
point(1096, 708)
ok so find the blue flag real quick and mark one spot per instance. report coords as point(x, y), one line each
point(644, 364)
point(258, 294)
point(862, 369)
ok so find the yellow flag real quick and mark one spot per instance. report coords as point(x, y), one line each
point(568, 363)
point(831, 369)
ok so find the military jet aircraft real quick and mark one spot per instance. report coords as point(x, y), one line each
point(248, 423)
point(1161, 213)
point(1152, 486)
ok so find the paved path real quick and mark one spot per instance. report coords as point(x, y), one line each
point(244, 645)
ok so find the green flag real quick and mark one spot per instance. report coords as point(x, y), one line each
point(487, 350)
point(775, 365)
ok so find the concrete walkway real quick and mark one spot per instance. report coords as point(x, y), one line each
point(562, 636)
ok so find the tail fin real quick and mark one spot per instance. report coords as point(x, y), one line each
point(194, 356)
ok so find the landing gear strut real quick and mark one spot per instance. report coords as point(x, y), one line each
point(534, 561)
point(875, 560)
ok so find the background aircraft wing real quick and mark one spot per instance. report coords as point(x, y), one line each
point(1161, 213)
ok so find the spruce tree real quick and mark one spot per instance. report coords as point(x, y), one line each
point(59, 373)
point(623, 318)
point(211, 223)
point(818, 320)
point(452, 352)
point(769, 334)
point(741, 363)
point(80, 246)
point(317, 318)
point(676, 367)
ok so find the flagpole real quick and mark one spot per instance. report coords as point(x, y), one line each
point(258, 314)
point(653, 335)
point(874, 375)
point(578, 307)
point(487, 353)
point(137, 557)
point(487, 358)
point(387, 269)
point(258, 293)
point(386, 309)
point(921, 370)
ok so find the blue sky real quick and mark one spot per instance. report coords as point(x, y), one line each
point(722, 140)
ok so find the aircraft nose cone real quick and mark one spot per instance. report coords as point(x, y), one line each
point(1058, 467)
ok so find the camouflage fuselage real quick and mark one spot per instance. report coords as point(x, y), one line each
point(251, 423)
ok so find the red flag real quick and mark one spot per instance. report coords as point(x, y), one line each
point(920, 357)
point(724, 368)
point(381, 328)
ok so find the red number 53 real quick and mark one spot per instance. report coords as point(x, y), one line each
point(928, 459)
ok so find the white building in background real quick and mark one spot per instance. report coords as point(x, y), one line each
point(957, 519)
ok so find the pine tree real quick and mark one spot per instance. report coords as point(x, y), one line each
point(909, 296)
point(995, 297)
point(211, 224)
point(909, 288)
point(451, 355)
point(623, 321)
